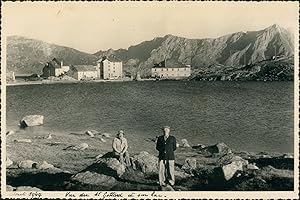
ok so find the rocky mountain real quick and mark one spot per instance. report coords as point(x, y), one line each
point(211, 55)
point(26, 55)
point(232, 50)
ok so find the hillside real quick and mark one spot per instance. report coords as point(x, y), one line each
point(26, 55)
point(233, 50)
point(230, 51)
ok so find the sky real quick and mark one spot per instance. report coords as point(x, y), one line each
point(94, 26)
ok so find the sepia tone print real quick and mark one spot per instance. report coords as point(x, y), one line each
point(149, 100)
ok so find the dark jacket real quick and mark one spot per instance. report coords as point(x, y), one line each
point(166, 148)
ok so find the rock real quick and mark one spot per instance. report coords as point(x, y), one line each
point(44, 165)
point(9, 162)
point(185, 143)
point(49, 137)
point(102, 140)
point(99, 156)
point(220, 148)
point(177, 144)
point(23, 140)
point(107, 135)
point(146, 162)
point(181, 174)
point(199, 146)
point(27, 188)
point(190, 164)
point(115, 165)
point(81, 146)
point(251, 167)
point(111, 166)
point(89, 133)
point(167, 188)
point(253, 184)
point(236, 164)
point(32, 120)
point(10, 188)
point(96, 179)
point(26, 164)
point(287, 156)
point(10, 133)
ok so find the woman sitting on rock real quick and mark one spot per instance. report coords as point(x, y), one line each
point(120, 147)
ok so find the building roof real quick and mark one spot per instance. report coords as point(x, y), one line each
point(54, 63)
point(111, 58)
point(171, 63)
point(84, 68)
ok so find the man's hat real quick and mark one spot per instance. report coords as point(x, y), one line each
point(168, 127)
point(121, 131)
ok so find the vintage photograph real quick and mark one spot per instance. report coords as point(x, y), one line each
point(149, 100)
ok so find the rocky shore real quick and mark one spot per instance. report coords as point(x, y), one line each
point(81, 161)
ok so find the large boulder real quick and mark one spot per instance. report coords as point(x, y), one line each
point(32, 120)
point(102, 181)
point(219, 148)
point(146, 162)
point(26, 164)
point(189, 164)
point(111, 166)
point(230, 166)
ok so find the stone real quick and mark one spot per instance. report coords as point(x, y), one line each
point(26, 164)
point(102, 140)
point(93, 178)
point(236, 164)
point(219, 148)
point(10, 133)
point(251, 167)
point(199, 146)
point(44, 165)
point(89, 133)
point(49, 137)
point(167, 188)
point(99, 156)
point(288, 156)
point(107, 135)
point(189, 164)
point(146, 162)
point(181, 174)
point(23, 140)
point(27, 188)
point(32, 120)
point(177, 144)
point(9, 162)
point(110, 166)
point(81, 147)
point(10, 188)
point(185, 143)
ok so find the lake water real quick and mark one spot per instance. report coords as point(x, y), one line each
point(251, 116)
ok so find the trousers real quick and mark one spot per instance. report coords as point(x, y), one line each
point(166, 172)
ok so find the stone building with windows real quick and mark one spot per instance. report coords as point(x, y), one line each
point(110, 67)
point(170, 69)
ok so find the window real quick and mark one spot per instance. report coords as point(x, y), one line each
point(178, 69)
point(184, 69)
point(172, 69)
point(162, 69)
point(154, 69)
point(108, 69)
point(167, 69)
point(114, 71)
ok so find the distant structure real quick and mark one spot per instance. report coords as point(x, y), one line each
point(170, 69)
point(110, 67)
point(83, 72)
point(55, 68)
point(10, 76)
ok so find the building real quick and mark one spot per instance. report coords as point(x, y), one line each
point(55, 68)
point(110, 67)
point(83, 72)
point(170, 69)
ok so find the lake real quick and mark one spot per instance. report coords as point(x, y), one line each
point(250, 116)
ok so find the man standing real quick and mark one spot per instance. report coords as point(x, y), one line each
point(166, 145)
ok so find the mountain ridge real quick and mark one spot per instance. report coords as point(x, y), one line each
point(235, 50)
